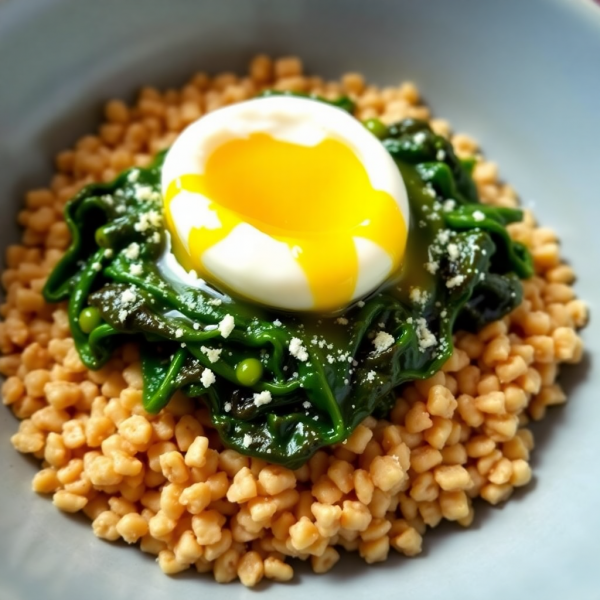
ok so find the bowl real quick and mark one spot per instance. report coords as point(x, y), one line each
point(521, 76)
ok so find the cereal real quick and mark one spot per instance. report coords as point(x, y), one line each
point(165, 482)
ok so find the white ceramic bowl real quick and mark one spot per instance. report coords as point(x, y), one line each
point(522, 76)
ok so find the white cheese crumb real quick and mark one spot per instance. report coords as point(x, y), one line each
point(226, 326)
point(454, 281)
point(432, 266)
point(247, 440)
point(143, 223)
point(306, 404)
point(227, 406)
point(144, 192)
point(341, 321)
point(122, 315)
point(420, 137)
point(96, 266)
point(443, 236)
point(277, 323)
point(298, 350)
point(360, 304)
point(178, 332)
point(132, 252)
point(425, 337)
point(383, 341)
point(449, 205)
point(136, 269)
point(215, 302)
point(440, 155)
point(133, 176)
point(213, 354)
point(262, 398)
point(453, 251)
point(418, 296)
point(108, 253)
point(128, 296)
point(196, 326)
point(478, 215)
point(155, 218)
point(207, 378)
point(149, 219)
point(371, 375)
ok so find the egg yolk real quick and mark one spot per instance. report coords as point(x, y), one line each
point(316, 199)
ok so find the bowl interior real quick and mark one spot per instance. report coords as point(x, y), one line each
point(518, 76)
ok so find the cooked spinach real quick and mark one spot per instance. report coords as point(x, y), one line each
point(461, 269)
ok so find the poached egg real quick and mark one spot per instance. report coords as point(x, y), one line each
point(285, 201)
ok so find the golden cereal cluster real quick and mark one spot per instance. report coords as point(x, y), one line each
point(165, 482)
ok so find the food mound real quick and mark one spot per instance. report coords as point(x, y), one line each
point(263, 317)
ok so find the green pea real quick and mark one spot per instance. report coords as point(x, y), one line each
point(89, 319)
point(376, 127)
point(249, 371)
point(101, 238)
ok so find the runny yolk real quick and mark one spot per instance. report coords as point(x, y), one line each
point(316, 199)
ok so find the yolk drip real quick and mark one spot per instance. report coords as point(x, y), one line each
point(316, 199)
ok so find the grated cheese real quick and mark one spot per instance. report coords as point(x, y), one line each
point(418, 296)
point(136, 269)
point(425, 337)
point(455, 281)
point(453, 251)
point(449, 205)
point(207, 378)
point(298, 350)
point(382, 341)
point(132, 252)
point(262, 398)
point(226, 326)
point(213, 354)
point(432, 266)
point(128, 296)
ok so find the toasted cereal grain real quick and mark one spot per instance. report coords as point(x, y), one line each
point(161, 480)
